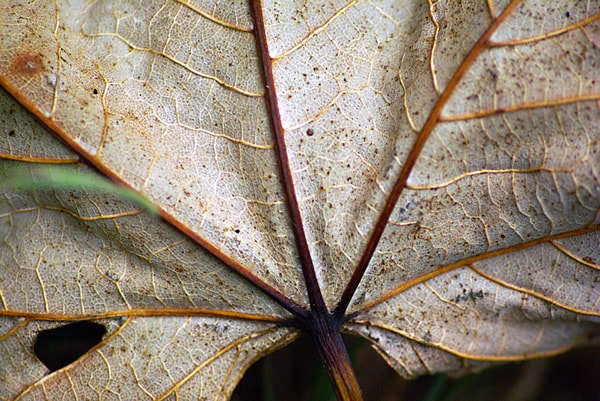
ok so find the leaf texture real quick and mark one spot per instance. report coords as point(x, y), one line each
point(433, 165)
point(72, 255)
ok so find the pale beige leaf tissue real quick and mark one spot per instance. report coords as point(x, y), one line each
point(425, 175)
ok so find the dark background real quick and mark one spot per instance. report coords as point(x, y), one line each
point(295, 373)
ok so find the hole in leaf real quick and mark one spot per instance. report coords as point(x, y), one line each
point(58, 347)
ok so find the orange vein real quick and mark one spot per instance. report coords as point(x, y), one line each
point(143, 312)
point(470, 260)
point(491, 358)
point(546, 35)
point(532, 293)
point(519, 107)
point(577, 258)
point(211, 17)
point(315, 31)
point(33, 159)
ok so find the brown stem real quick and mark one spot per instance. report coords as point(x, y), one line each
point(325, 329)
point(332, 350)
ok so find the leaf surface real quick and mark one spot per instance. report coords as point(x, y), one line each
point(421, 174)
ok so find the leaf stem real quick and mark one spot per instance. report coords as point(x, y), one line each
point(323, 326)
point(332, 350)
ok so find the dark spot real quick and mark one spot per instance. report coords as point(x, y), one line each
point(12, 132)
point(58, 347)
point(27, 65)
point(95, 91)
point(427, 337)
point(568, 14)
point(111, 276)
point(472, 295)
point(310, 132)
point(237, 230)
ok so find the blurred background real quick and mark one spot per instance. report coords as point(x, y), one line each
point(295, 373)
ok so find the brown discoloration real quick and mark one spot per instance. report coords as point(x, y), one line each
point(27, 65)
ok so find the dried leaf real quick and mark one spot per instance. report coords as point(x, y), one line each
point(424, 175)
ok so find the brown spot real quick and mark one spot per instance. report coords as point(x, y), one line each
point(310, 132)
point(27, 65)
